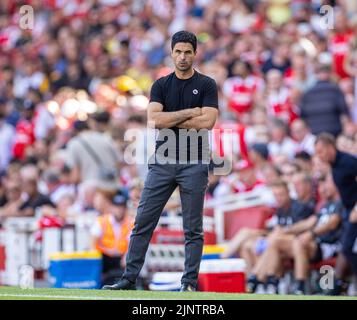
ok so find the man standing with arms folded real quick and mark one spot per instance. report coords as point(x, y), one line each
point(185, 99)
point(344, 172)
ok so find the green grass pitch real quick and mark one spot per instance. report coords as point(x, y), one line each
point(14, 293)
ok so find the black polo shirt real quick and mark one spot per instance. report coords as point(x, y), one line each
point(177, 94)
point(344, 172)
point(297, 211)
point(326, 212)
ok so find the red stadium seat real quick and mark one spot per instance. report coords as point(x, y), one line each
point(253, 217)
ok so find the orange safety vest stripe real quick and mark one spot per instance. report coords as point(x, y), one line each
point(109, 240)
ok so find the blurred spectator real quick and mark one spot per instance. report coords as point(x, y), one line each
point(321, 238)
point(303, 186)
point(351, 69)
point(344, 172)
point(324, 107)
point(302, 135)
point(242, 89)
point(91, 155)
point(304, 161)
point(6, 141)
point(290, 214)
point(246, 178)
point(279, 59)
point(111, 231)
point(278, 98)
point(251, 243)
point(281, 143)
point(258, 154)
point(25, 130)
point(56, 187)
point(33, 199)
point(13, 200)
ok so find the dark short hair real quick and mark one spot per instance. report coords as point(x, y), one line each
point(184, 36)
point(326, 139)
point(279, 184)
point(102, 117)
point(80, 125)
point(303, 155)
point(260, 148)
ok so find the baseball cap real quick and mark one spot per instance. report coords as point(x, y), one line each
point(261, 148)
point(119, 199)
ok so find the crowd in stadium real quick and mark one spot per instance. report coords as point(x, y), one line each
point(71, 87)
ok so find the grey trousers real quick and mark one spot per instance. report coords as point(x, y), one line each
point(161, 181)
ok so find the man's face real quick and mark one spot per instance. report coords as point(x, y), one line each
point(298, 131)
point(281, 196)
point(183, 56)
point(119, 212)
point(324, 152)
point(301, 186)
point(247, 176)
point(29, 186)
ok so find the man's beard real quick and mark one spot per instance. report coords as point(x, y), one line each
point(184, 68)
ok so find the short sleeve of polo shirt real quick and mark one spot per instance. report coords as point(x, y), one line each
point(210, 98)
point(156, 94)
point(301, 211)
point(339, 209)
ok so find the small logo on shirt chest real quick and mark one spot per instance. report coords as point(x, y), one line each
point(194, 91)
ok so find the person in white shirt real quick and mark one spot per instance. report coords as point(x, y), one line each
point(303, 137)
point(7, 134)
point(281, 143)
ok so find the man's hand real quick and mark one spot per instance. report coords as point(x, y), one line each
point(353, 215)
point(205, 120)
point(276, 232)
point(159, 119)
point(306, 238)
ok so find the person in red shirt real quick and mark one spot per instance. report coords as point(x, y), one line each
point(278, 98)
point(247, 179)
point(25, 130)
point(339, 42)
point(242, 89)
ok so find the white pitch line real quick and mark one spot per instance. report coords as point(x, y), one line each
point(64, 297)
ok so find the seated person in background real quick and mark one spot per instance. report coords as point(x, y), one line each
point(300, 240)
point(111, 232)
point(303, 187)
point(13, 200)
point(245, 179)
point(33, 198)
point(321, 241)
point(304, 161)
point(250, 243)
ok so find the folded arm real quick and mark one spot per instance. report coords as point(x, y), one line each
point(206, 120)
point(159, 119)
point(301, 226)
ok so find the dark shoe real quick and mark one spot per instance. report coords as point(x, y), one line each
point(272, 285)
point(271, 289)
point(122, 284)
point(187, 288)
point(340, 288)
point(252, 284)
point(298, 292)
point(299, 289)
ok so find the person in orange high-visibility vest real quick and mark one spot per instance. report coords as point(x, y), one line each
point(111, 231)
